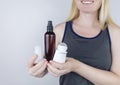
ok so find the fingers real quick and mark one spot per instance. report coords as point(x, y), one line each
point(40, 65)
point(57, 65)
point(41, 75)
point(31, 61)
point(58, 69)
point(40, 70)
point(53, 70)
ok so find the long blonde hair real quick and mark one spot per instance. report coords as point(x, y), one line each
point(103, 14)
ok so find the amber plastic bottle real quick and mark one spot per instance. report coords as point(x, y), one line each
point(49, 38)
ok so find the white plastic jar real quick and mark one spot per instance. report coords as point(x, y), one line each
point(60, 53)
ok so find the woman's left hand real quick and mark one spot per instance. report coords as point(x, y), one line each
point(58, 69)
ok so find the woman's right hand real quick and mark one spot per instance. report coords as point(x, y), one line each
point(39, 69)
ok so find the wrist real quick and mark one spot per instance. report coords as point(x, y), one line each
point(76, 66)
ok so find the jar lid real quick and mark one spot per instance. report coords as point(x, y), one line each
point(62, 47)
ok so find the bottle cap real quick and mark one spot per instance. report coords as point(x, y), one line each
point(49, 26)
point(62, 47)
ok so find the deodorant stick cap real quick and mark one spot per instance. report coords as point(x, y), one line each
point(62, 47)
point(60, 53)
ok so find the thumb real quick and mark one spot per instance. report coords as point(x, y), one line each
point(31, 61)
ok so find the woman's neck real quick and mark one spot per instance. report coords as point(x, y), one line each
point(88, 19)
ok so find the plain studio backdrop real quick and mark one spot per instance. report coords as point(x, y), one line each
point(22, 26)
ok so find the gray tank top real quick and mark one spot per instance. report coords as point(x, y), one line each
point(95, 51)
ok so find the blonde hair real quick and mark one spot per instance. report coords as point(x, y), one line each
point(103, 14)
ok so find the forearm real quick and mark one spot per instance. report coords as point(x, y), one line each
point(97, 76)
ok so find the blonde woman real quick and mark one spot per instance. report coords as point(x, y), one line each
point(93, 47)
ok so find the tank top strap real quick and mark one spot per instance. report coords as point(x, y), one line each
point(109, 39)
point(67, 28)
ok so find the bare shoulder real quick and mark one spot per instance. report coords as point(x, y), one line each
point(59, 27)
point(59, 31)
point(114, 30)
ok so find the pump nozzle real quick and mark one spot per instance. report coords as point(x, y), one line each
point(50, 26)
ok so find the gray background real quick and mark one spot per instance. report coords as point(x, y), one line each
point(22, 26)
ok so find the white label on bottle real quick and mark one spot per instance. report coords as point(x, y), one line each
point(59, 57)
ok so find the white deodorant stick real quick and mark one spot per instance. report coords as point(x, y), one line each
point(38, 51)
point(60, 53)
